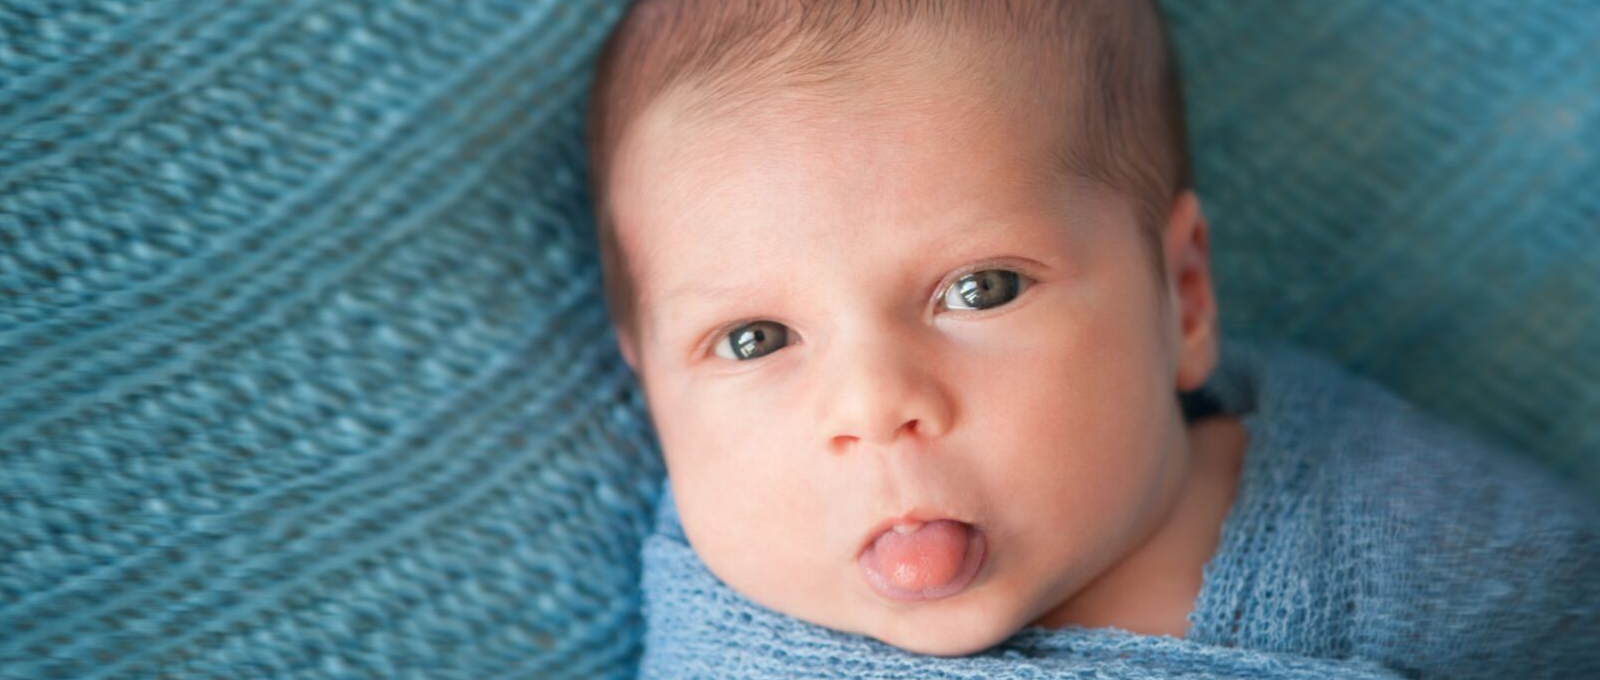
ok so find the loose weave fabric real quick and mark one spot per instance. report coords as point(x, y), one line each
point(1409, 189)
point(303, 365)
point(1366, 539)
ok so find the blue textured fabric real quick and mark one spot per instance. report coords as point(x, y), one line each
point(304, 365)
point(1409, 189)
point(305, 361)
point(1367, 539)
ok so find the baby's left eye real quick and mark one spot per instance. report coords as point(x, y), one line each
point(984, 289)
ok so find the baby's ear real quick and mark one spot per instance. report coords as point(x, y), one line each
point(1189, 287)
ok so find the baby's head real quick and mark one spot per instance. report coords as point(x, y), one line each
point(876, 262)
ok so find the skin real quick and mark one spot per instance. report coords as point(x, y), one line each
point(1051, 421)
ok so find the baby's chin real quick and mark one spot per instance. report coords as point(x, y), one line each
point(961, 638)
point(977, 625)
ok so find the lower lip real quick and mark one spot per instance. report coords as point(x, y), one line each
point(977, 550)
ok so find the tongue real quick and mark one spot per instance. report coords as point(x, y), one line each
point(925, 558)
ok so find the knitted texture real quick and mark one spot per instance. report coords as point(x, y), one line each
point(1366, 539)
point(305, 368)
point(1409, 188)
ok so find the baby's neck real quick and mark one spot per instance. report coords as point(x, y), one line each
point(1152, 589)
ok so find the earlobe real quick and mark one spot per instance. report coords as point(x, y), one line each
point(1191, 290)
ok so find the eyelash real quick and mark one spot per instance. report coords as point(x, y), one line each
point(709, 346)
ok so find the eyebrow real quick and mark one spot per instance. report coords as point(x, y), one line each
point(698, 293)
point(700, 288)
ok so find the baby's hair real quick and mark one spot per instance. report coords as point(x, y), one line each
point(1128, 130)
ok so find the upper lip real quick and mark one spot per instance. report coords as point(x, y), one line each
point(917, 515)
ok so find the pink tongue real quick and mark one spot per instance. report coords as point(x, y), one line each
point(925, 558)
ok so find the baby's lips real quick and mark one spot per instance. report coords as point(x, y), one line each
point(916, 560)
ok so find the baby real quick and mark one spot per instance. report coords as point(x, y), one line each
point(913, 290)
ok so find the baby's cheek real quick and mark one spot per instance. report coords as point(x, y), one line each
point(1073, 420)
point(744, 495)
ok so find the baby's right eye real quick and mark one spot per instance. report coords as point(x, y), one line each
point(752, 340)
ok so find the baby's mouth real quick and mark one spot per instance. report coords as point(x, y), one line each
point(923, 560)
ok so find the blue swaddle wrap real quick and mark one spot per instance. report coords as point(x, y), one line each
point(1367, 539)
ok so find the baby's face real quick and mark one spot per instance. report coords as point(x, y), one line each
point(857, 313)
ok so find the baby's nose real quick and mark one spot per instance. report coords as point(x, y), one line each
point(880, 395)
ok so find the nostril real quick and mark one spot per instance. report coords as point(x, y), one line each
point(844, 442)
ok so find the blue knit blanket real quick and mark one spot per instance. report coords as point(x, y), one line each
point(1367, 539)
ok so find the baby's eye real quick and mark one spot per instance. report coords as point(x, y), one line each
point(752, 340)
point(984, 289)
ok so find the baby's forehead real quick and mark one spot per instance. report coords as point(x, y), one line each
point(931, 149)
